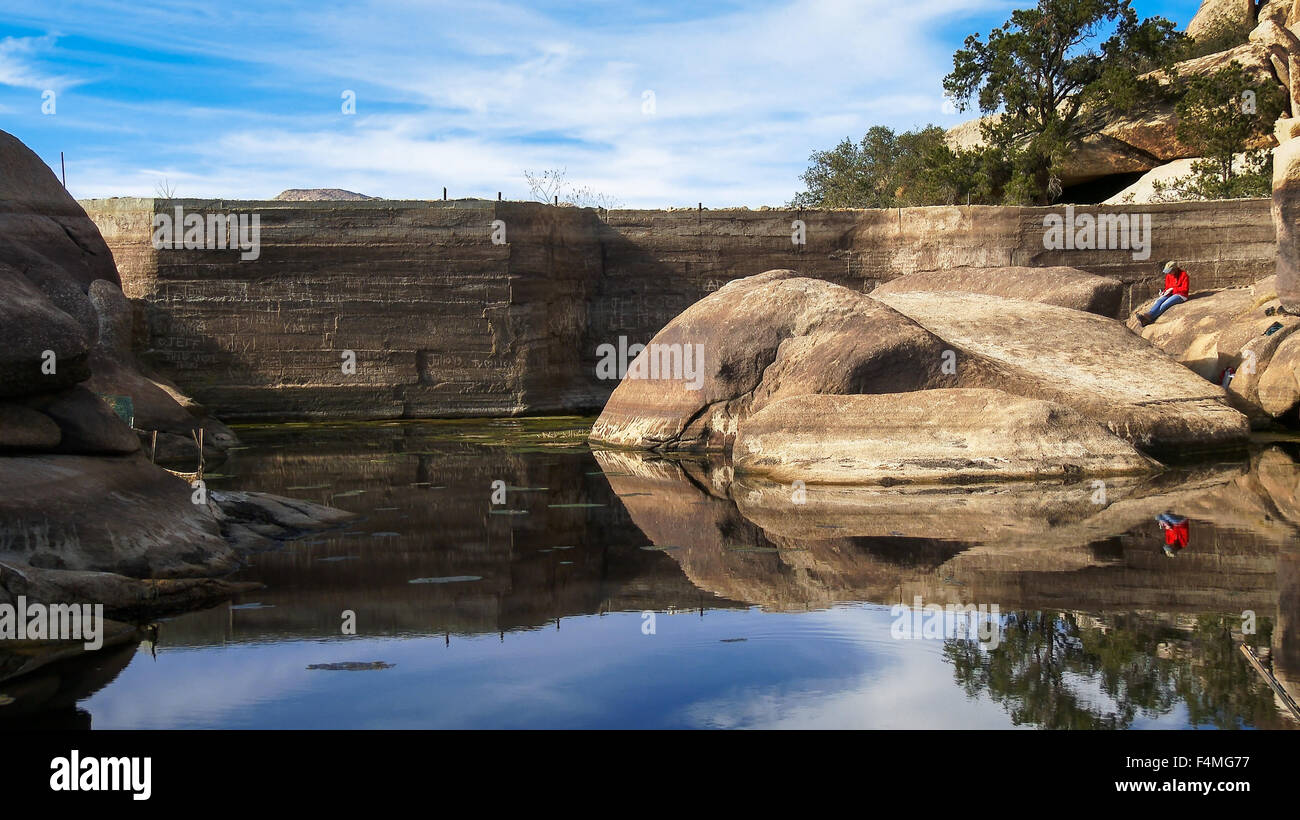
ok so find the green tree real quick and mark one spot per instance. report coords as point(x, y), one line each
point(1054, 75)
point(890, 170)
point(1221, 113)
point(1220, 116)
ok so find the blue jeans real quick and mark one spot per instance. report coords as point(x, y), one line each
point(1164, 303)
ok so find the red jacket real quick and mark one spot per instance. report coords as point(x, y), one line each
point(1177, 535)
point(1177, 282)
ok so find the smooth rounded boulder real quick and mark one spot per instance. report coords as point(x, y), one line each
point(120, 515)
point(1213, 15)
point(756, 341)
point(1055, 285)
point(1286, 220)
point(940, 436)
point(1240, 330)
point(778, 335)
point(88, 424)
point(1279, 386)
point(22, 428)
point(41, 347)
point(42, 224)
point(1083, 361)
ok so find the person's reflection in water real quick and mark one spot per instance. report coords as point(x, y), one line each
point(1177, 532)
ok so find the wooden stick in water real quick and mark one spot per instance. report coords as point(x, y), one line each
point(1278, 690)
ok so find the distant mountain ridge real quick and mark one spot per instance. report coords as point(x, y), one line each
point(321, 194)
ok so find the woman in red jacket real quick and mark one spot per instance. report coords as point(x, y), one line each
point(1176, 290)
point(1178, 532)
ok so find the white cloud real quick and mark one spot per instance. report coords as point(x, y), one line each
point(743, 96)
point(19, 57)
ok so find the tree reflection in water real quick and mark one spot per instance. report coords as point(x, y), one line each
point(1069, 670)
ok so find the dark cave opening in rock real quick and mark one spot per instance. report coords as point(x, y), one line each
point(1097, 191)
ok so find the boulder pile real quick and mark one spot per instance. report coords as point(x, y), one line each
point(810, 381)
point(84, 514)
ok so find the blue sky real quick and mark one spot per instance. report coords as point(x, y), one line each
point(243, 100)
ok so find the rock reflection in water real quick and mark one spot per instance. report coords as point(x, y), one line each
point(1044, 552)
point(1100, 627)
point(431, 557)
point(41, 683)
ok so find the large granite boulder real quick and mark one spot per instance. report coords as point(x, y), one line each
point(1057, 285)
point(88, 425)
point(1098, 155)
point(42, 225)
point(1282, 41)
point(41, 347)
point(1278, 41)
point(50, 252)
point(946, 436)
point(1286, 220)
point(84, 516)
point(1240, 330)
point(22, 428)
point(777, 335)
point(1252, 55)
point(759, 340)
point(1274, 11)
point(1215, 15)
point(1191, 332)
point(44, 353)
point(47, 364)
point(1110, 154)
point(120, 515)
point(112, 528)
point(1278, 387)
point(1086, 362)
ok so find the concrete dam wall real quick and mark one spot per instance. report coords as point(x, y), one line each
point(481, 308)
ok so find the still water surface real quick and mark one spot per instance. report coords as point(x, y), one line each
point(615, 590)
